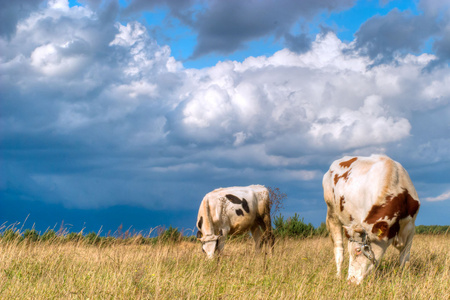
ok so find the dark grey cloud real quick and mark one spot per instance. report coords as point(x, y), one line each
point(12, 11)
point(226, 26)
point(301, 42)
point(297, 43)
point(402, 32)
point(381, 37)
point(137, 6)
point(441, 48)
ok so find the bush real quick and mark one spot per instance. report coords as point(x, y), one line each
point(10, 235)
point(170, 235)
point(92, 238)
point(48, 236)
point(31, 235)
point(74, 237)
point(293, 227)
point(432, 229)
point(322, 230)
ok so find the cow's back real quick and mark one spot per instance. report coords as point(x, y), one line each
point(236, 207)
point(369, 189)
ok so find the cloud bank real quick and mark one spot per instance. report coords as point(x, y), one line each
point(96, 113)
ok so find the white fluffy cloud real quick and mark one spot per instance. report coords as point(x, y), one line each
point(324, 98)
point(442, 197)
point(91, 105)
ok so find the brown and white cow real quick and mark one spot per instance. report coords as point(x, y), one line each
point(234, 210)
point(374, 201)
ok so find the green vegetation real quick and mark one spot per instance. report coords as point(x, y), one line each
point(293, 227)
point(432, 229)
point(167, 236)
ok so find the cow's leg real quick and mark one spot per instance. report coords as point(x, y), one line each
point(335, 229)
point(223, 233)
point(257, 235)
point(404, 247)
point(268, 238)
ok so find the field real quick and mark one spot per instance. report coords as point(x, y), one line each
point(299, 269)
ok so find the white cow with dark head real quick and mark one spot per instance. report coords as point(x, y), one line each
point(234, 210)
point(373, 200)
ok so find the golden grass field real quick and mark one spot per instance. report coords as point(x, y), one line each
point(299, 269)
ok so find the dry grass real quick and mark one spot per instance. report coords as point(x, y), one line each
point(299, 269)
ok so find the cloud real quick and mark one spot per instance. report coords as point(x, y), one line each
point(226, 26)
point(298, 43)
point(12, 12)
point(442, 197)
point(400, 32)
point(297, 95)
point(96, 113)
point(381, 37)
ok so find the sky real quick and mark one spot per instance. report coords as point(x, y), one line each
point(128, 112)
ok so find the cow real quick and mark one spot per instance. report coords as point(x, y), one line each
point(373, 201)
point(234, 210)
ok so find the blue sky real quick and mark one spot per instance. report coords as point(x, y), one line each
point(129, 112)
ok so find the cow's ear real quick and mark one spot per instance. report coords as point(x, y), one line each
point(199, 234)
point(380, 229)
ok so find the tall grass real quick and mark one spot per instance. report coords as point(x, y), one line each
point(299, 269)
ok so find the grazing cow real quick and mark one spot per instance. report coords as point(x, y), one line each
point(374, 201)
point(234, 210)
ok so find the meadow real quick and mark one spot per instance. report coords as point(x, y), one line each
point(299, 269)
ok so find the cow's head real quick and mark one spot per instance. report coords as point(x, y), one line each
point(364, 251)
point(210, 243)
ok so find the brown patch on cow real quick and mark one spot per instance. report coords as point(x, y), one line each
point(239, 212)
point(200, 222)
point(337, 177)
point(350, 218)
point(346, 233)
point(345, 175)
point(413, 204)
point(395, 228)
point(341, 203)
point(400, 207)
point(380, 229)
point(348, 163)
point(235, 200)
